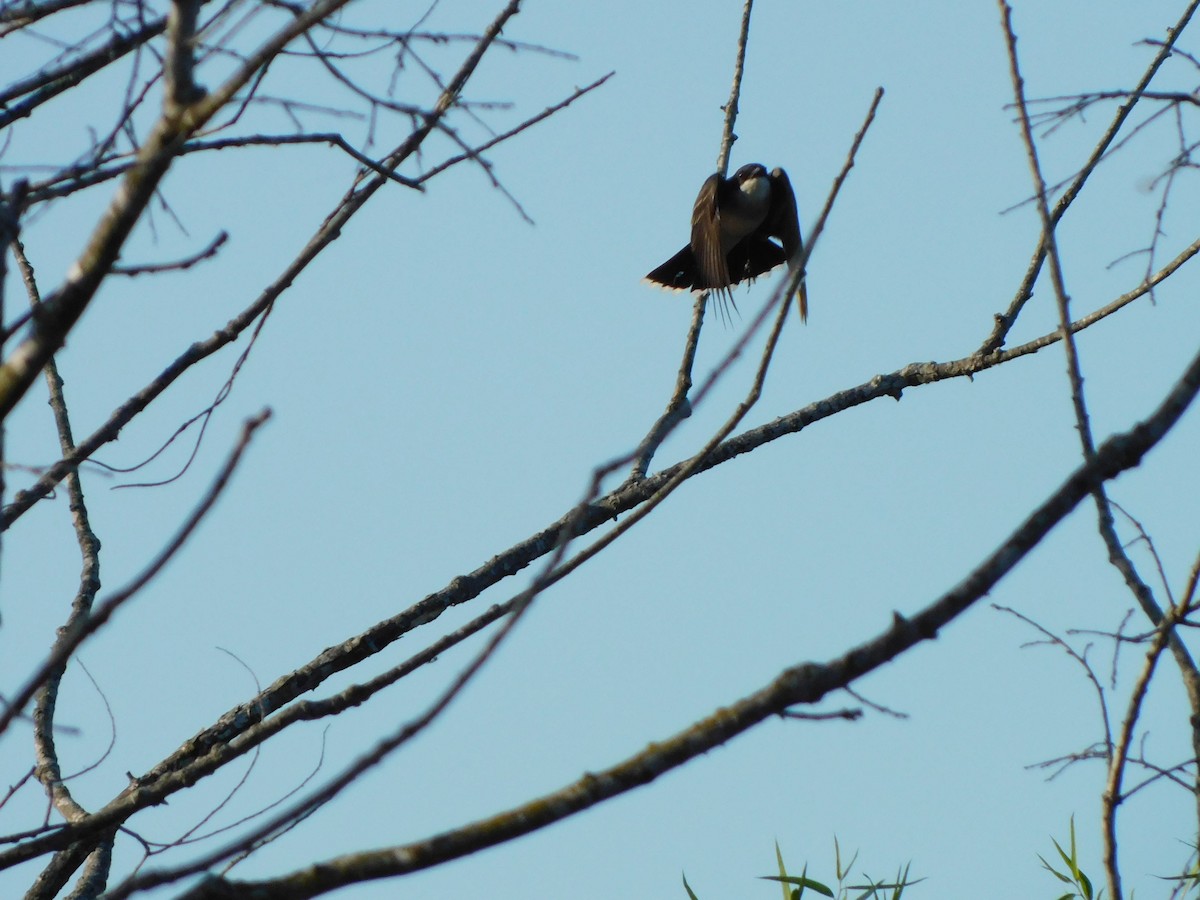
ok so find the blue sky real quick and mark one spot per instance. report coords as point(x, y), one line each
point(445, 377)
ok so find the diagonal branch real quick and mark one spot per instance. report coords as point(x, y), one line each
point(17, 15)
point(47, 85)
point(328, 232)
point(62, 310)
point(679, 407)
point(806, 683)
point(1107, 529)
point(464, 588)
point(88, 625)
point(1005, 321)
point(735, 91)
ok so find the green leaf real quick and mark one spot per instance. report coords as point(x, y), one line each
point(870, 890)
point(783, 874)
point(1069, 860)
point(802, 881)
point(1053, 871)
point(688, 888)
point(842, 871)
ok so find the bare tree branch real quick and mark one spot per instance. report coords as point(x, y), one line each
point(62, 310)
point(1117, 555)
point(370, 74)
point(178, 265)
point(21, 13)
point(86, 626)
point(1005, 321)
point(44, 86)
point(803, 684)
point(329, 231)
point(735, 91)
point(48, 771)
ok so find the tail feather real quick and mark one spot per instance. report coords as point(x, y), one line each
point(746, 262)
point(679, 272)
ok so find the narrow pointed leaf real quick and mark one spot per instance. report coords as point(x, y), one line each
point(1053, 871)
point(802, 882)
point(1071, 867)
point(783, 872)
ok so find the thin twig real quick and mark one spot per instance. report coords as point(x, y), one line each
point(71, 639)
point(1114, 792)
point(63, 308)
point(678, 406)
point(49, 772)
point(178, 265)
point(1116, 551)
point(474, 152)
point(328, 232)
point(849, 715)
point(1053, 640)
point(735, 91)
point(1006, 321)
point(46, 85)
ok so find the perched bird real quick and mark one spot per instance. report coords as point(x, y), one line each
point(733, 222)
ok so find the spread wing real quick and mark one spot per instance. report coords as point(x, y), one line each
point(784, 223)
point(706, 236)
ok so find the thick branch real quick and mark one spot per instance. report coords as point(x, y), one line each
point(179, 68)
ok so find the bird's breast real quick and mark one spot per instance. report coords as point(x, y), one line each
point(744, 211)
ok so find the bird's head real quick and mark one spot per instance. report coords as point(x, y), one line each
point(749, 172)
point(753, 182)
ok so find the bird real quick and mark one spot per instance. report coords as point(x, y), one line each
point(733, 222)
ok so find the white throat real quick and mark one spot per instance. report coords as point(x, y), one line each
point(757, 190)
point(746, 212)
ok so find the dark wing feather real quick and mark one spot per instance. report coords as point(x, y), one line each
point(784, 223)
point(706, 236)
